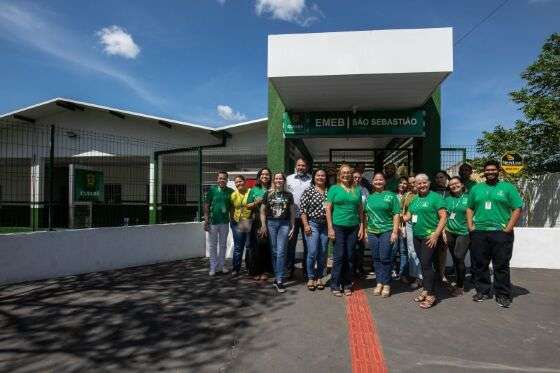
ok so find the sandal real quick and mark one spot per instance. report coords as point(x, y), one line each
point(429, 302)
point(319, 285)
point(311, 285)
point(386, 292)
point(457, 292)
point(336, 293)
point(421, 297)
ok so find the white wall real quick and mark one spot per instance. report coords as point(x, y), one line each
point(361, 52)
point(41, 255)
point(536, 248)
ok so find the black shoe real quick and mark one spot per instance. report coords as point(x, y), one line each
point(503, 302)
point(280, 287)
point(479, 297)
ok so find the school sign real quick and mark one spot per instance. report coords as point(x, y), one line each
point(347, 124)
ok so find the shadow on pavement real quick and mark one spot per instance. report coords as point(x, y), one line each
point(159, 317)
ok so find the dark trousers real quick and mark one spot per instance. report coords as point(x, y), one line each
point(257, 258)
point(291, 253)
point(359, 253)
point(458, 247)
point(492, 247)
point(429, 263)
point(343, 252)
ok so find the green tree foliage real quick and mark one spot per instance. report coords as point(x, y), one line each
point(537, 136)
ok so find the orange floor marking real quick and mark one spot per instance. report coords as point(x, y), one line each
point(365, 348)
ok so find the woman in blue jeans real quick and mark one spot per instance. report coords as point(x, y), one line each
point(382, 213)
point(277, 222)
point(313, 217)
point(345, 219)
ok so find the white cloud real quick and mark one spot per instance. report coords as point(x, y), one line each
point(30, 26)
point(117, 41)
point(222, 2)
point(295, 11)
point(227, 113)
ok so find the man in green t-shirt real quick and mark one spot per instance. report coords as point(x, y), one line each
point(217, 209)
point(494, 208)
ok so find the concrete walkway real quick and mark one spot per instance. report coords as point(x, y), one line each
point(173, 317)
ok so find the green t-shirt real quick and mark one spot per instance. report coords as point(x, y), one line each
point(457, 214)
point(345, 205)
point(392, 184)
point(469, 184)
point(219, 203)
point(424, 211)
point(256, 192)
point(380, 208)
point(493, 204)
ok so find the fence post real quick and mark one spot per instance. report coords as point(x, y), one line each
point(51, 177)
point(200, 182)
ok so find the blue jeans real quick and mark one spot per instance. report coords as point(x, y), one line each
point(278, 236)
point(380, 246)
point(239, 241)
point(316, 249)
point(400, 246)
point(343, 256)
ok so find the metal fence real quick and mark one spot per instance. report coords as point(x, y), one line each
point(38, 178)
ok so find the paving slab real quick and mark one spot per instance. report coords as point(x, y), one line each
point(173, 317)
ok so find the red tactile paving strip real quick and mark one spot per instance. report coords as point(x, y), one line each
point(365, 348)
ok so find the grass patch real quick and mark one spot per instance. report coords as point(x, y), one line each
point(6, 230)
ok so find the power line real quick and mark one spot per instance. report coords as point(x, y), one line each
point(481, 22)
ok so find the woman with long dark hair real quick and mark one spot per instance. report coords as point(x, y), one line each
point(257, 257)
point(278, 215)
point(382, 210)
point(456, 232)
point(313, 217)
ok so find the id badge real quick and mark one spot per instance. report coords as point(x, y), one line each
point(414, 218)
point(488, 205)
point(452, 216)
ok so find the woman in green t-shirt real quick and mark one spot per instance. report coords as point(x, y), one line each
point(428, 217)
point(456, 234)
point(257, 256)
point(345, 225)
point(382, 213)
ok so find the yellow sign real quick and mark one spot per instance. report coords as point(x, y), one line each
point(512, 163)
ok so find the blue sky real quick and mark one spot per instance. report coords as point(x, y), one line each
point(204, 61)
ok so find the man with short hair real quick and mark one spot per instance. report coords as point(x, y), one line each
point(494, 208)
point(465, 172)
point(296, 184)
point(217, 207)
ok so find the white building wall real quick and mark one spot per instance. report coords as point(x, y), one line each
point(41, 255)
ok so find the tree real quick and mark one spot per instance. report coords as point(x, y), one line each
point(537, 137)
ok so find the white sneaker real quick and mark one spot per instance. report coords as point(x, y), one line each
point(212, 273)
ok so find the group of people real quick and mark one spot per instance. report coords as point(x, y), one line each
point(405, 217)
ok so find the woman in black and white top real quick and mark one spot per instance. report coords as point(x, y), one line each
point(313, 217)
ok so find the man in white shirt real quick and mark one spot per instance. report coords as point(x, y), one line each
point(296, 184)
